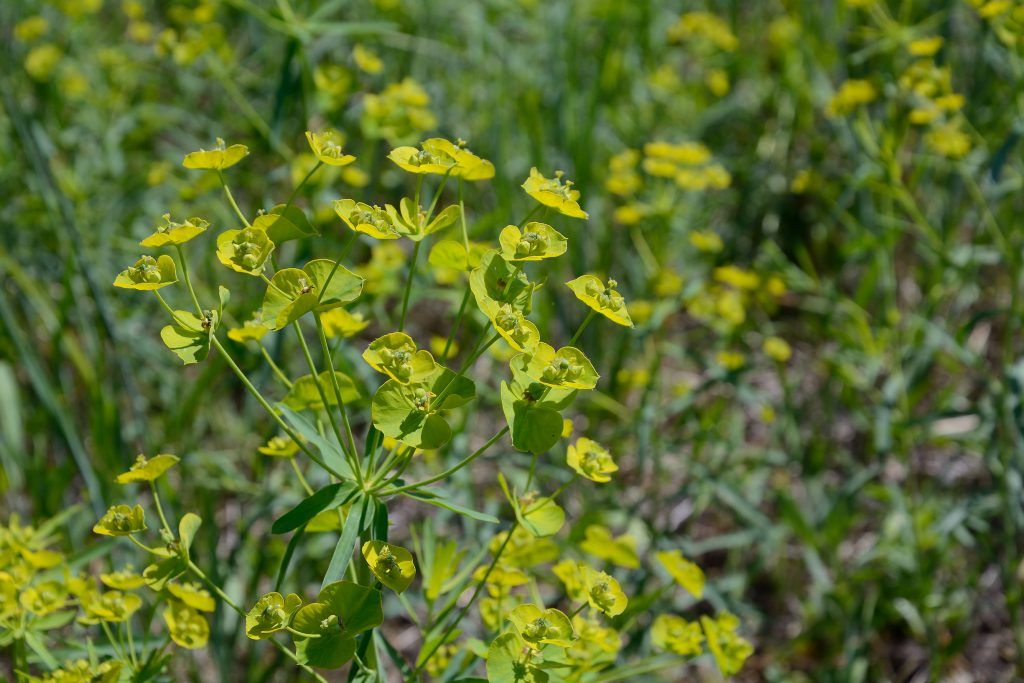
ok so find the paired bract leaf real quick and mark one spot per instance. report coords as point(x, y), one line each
point(244, 251)
point(540, 627)
point(304, 394)
point(121, 520)
point(150, 469)
point(283, 223)
point(534, 426)
point(172, 233)
point(567, 368)
point(602, 298)
point(318, 286)
point(189, 336)
point(728, 648)
point(687, 574)
point(396, 356)
point(495, 281)
point(327, 147)
point(392, 565)
point(599, 542)
point(411, 221)
point(442, 157)
point(677, 635)
point(369, 220)
point(534, 242)
point(554, 192)
point(148, 273)
point(408, 412)
point(506, 662)
point(187, 627)
point(341, 612)
point(216, 159)
point(591, 460)
point(270, 614)
point(603, 592)
point(452, 254)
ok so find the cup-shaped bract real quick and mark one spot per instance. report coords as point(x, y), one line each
point(555, 193)
point(327, 147)
point(391, 564)
point(244, 251)
point(173, 233)
point(534, 242)
point(216, 159)
point(121, 520)
point(601, 298)
point(148, 273)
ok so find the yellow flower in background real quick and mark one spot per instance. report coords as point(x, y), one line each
point(366, 60)
point(687, 574)
point(777, 349)
point(399, 113)
point(216, 159)
point(729, 649)
point(554, 192)
point(327, 147)
point(705, 26)
point(852, 94)
point(737, 277)
point(41, 61)
point(31, 28)
point(706, 241)
point(949, 140)
point(925, 47)
point(677, 635)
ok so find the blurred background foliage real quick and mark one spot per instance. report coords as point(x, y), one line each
point(821, 403)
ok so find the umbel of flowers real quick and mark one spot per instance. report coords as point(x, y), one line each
point(357, 444)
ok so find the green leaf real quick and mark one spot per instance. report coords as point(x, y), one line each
point(534, 428)
point(542, 517)
point(187, 528)
point(359, 607)
point(505, 665)
point(401, 412)
point(189, 335)
point(327, 498)
point(355, 522)
point(331, 452)
point(304, 394)
point(441, 500)
point(283, 225)
point(293, 292)
point(495, 280)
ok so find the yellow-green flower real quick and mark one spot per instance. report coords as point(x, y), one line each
point(777, 349)
point(244, 251)
point(187, 627)
point(391, 564)
point(172, 232)
point(216, 159)
point(603, 592)
point(602, 298)
point(554, 192)
point(148, 273)
point(147, 469)
point(852, 94)
point(279, 447)
point(44, 598)
point(442, 157)
point(193, 595)
point(395, 355)
point(729, 649)
point(591, 460)
point(540, 627)
point(338, 322)
point(687, 574)
point(110, 607)
point(567, 368)
point(123, 580)
point(270, 614)
point(121, 520)
point(677, 635)
point(327, 147)
point(620, 551)
point(369, 220)
point(534, 242)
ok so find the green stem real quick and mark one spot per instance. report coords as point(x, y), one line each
point(159, 508)
point(408, 285)
point(323, 397)
point(454, 468)
point(188, 280)
point(328, 359)
point(477, 352)
point(337, 263)
point(458, 323)
point(533, 468)
point(273, 366)
point(299, 187)
point(583, 326)
point(302, 479)
point(231, 200)
point(462, 215)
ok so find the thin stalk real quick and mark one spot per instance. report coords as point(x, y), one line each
point(299, 187)
point(329, 361)
point(302, 479)
point(583, 326)
point(188, 280)
point(159, 507)
point(231, 200)
point(458, 323)
point(408, 285)
point(273, 366)
point(337, 263)
point(323, 397)
point(477, 352)
point(454, 468)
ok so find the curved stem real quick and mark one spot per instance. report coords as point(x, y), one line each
point(454, 468)
point(273, 366)
point(457, 324)
point(299, 187)
point(231, 200)
point(159, 507)
point(188, 280)
point(477, 352)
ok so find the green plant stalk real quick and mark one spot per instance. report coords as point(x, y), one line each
point(454, 468)
point(327, 406)
point(231, 201)
point(274, 367)
point(298, 188)
point(408, 285)
point(159, 508)
point(583, 326)
point(329, 361)
point(188, 281)
point(457, 324)
point(337, 263)
point(477, 352)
